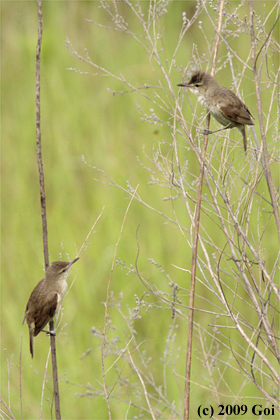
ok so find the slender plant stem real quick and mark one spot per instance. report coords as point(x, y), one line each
point(196, 239)
point(260, 115)
point(107, 305)
point(43, 196)
point(38, 136)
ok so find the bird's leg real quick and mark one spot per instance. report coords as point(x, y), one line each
point(205, 132)
point(52, 332)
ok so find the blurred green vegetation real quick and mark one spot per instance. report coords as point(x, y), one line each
point(81, 118)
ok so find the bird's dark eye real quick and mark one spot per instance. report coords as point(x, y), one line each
point(196, 85)
point(63, 271)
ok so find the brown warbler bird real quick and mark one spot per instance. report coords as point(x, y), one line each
point(221, 102)
point(45, 299)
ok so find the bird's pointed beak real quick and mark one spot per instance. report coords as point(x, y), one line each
point(75, 259)
point(183, 84)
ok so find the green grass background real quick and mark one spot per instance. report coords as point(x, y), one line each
point(81, 118)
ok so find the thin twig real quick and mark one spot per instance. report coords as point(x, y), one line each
point(143, 384)
point(38, 136)
point(43, 197)
point(107, 306)
point(196, 240)
point(260, 116)
point(7, 413)
point(20, 378)
point(90, 232)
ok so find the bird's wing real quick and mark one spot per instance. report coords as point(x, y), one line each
point(238, 111)
point(238, 115)
point(44, 314)
point(37, 291)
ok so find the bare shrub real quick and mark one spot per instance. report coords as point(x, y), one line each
point(238, 255)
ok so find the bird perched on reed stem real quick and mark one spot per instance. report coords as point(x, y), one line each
point(221, 102)
point(45, 299)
